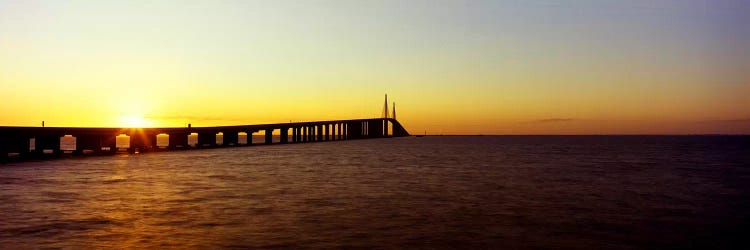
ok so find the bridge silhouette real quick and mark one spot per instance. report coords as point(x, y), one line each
point(45, 142)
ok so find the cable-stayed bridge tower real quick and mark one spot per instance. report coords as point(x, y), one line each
point(385, 116)
point(385, 108)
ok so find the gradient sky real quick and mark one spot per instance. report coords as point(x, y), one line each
point(452, 67)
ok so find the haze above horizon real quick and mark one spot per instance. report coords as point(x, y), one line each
point(452, 67)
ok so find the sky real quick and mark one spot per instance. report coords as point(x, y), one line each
point(451, 67)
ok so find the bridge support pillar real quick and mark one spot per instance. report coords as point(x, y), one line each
point(3, 149)
point(320, 132)
point(87, 142)
point(231, 138)
point(354, 130)
point(294, 134)
point(48, 143)
point(207, 139)
point(178, 140)
point(109, 141)
point(269, 136)
point(5, 144)
point(348, 132)
point(15, 144)
point(375, 129)
point(284, 135)
point(299, 134)
point(141, 142)
point(343, 131)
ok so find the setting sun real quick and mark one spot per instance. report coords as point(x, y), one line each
point(133, 121)
point(374, 124)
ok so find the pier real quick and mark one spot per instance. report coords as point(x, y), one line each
point(19, 143)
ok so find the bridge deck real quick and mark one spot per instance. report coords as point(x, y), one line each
point(35, 142)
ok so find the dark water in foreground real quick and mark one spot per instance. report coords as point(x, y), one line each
point(429, 192)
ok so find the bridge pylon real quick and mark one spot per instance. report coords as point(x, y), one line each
point(385, 108)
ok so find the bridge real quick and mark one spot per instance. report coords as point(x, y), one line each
point(45, 142)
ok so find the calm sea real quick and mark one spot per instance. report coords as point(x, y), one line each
point(431, 192)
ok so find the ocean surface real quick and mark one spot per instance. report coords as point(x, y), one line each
point(559, 192)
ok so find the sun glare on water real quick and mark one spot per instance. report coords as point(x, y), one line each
point(132, 121)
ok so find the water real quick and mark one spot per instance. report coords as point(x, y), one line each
point(430, 192)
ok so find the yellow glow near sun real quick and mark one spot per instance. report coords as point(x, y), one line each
point(134, 121)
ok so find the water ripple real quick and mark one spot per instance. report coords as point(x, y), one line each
point(430, 192)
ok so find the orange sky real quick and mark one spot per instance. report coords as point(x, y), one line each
point(452, 67)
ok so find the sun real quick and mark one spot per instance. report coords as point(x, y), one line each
point(134, 121)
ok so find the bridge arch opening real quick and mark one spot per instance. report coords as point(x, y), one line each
point(220, 138)
point(193, 139)
point(68, 144)
point(242, 138)
point(122, 141)
point(162, 140)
